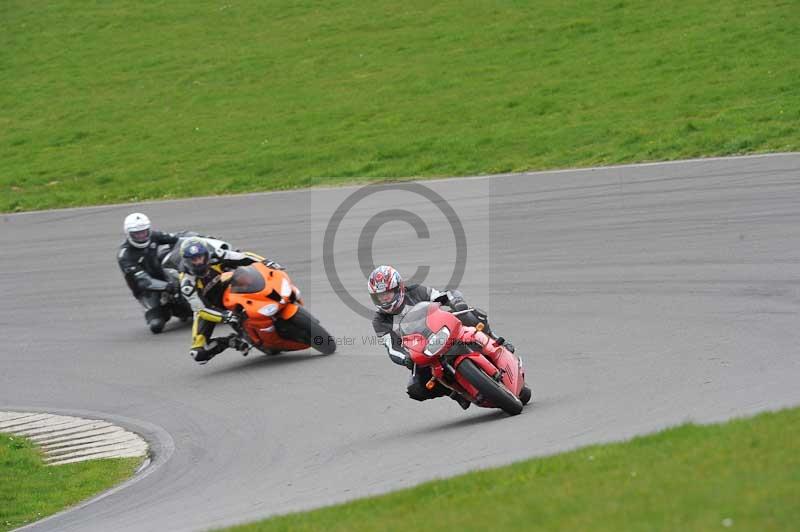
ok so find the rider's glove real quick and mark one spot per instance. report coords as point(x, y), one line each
point(173, 287)
point(272, 264)
point(459, 305)
point(230, 317)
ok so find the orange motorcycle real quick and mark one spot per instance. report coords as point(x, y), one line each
point(272, 316)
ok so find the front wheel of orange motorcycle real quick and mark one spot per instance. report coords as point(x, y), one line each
point(305, 328)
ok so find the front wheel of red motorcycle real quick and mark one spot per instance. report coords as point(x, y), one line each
point(525, 395)
point(491, 390)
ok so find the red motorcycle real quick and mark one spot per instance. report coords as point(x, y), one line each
point(463, 358)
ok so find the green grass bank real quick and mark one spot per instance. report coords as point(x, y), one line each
point(741, 475)
point(116, 101)
point(29, 490)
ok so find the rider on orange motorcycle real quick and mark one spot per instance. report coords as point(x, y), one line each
point(392, 298)
point(205, 272)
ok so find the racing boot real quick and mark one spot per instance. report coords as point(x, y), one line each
point(418, 391)
point(460, 399)
point(499, 340)
point(155, 320)
point(505, 343)
point(479, 316)
point(156, 325)
point(202, 355)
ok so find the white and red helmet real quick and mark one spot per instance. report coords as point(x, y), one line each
point(387, 289)
point(137, 229)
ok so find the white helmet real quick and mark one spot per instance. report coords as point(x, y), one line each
point(137, 229)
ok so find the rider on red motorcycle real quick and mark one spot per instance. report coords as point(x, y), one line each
point(392, 298)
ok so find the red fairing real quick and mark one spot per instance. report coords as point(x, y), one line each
point(480, 349)
point(492, 358)
point(415, 344)
point(438, 318)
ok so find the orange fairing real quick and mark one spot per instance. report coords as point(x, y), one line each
point(264, 295)
point(289, 311)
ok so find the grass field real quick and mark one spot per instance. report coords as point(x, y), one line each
point(29, 490)
point(741, 475)
point(110, 101)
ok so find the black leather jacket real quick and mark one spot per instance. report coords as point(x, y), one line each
point(141, 266)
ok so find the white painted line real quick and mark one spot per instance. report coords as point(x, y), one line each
point(92, 439)
point(59, 430)
point(90, 425)
point(8, 416)
point(366, 181)
point(67, 447)
point(88, 451)
point(113, 454)
point(21, 422)
point(68, 439)
point(48, 439)
point(48, 423)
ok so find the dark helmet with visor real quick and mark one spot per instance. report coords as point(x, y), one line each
point(196, 256)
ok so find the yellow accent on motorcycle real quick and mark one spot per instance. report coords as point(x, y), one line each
point(431, 384)
point(480, 326)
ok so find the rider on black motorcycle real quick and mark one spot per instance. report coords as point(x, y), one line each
point(392, 298)
point(153, 286)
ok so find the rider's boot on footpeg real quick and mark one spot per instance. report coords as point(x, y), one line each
point(458, 398)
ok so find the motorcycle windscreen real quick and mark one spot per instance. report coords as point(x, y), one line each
point(247, 280)
point(416, 319)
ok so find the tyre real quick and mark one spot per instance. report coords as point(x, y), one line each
point(303, 327)
point(492, 391)
point(525, 395)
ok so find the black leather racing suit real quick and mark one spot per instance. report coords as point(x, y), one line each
point(146, 277)
point(388, 323)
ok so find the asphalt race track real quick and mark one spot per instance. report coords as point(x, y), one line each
point(640, 297)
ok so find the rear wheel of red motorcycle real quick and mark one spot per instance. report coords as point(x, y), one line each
point(303, 327)
point(491, 390)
